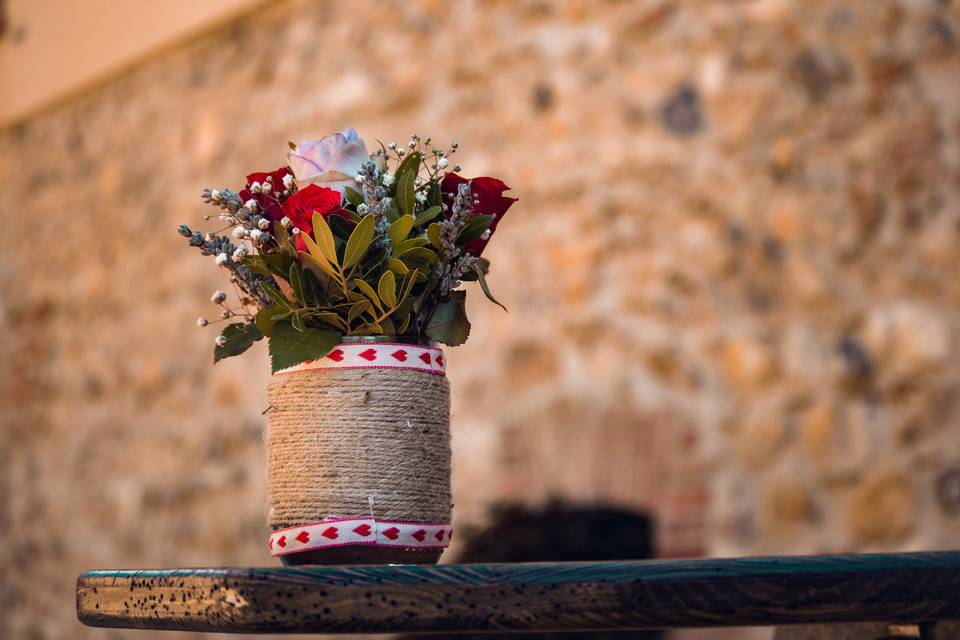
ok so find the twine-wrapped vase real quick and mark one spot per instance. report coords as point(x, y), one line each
point(358, 456)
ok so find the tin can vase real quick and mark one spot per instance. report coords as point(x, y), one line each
point(358, 456)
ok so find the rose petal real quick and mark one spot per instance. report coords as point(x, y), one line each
point(301, 206)
point(269, 205)
point(332, 161)
point(349, 158)
point(489, 192)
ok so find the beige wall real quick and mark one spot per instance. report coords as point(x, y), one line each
point(732, 275)
point(53, 49)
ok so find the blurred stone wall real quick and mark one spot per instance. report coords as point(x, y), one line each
point(732, 276)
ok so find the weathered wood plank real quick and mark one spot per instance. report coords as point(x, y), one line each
point(908, 587)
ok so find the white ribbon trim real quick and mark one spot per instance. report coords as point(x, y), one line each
point(340, 532)
point(377, 356)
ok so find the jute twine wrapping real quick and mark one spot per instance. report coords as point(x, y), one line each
point(358, 442)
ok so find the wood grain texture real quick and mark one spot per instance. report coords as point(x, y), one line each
point(908, 587)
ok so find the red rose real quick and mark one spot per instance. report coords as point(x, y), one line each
point(489, 192)
point(301, 206)
point(269, 204)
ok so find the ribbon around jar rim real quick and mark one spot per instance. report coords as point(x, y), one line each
point(377, 355)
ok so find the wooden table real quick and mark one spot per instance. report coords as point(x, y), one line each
point(902, 588)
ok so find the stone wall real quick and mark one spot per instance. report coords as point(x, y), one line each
point(732, 276)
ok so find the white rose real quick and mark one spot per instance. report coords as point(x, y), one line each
point(329, 162)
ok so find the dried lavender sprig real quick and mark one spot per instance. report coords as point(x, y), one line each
point(453, 271)
point(228, 255)
point(372, 182)
point(224, 198)
point(463, 204)
point(452, 265)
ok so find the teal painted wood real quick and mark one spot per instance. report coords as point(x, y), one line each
point(905, 587)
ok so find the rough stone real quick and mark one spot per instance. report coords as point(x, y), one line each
point(786, 507)
point(908, 339)
point(747, 363)
point(818, 432)
point(760, 440)
point(882, 509)
point(732, 275)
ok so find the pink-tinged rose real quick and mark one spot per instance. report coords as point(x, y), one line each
point(268, 203)
point(329, 162)
point(489, 192)
point(301, 206)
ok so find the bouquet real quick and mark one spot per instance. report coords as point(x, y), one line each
point(343, 242)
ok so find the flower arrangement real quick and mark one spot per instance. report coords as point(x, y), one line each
point(342, 242)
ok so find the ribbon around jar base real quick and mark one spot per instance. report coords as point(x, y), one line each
point(340, 532)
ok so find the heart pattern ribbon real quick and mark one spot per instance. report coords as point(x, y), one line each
point(381, 355)
point(339, 532)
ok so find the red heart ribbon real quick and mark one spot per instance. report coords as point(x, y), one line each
point(337, 532)
point(377, 356)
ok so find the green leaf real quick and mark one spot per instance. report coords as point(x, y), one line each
point(371, 328)
point(341, 228)
point(404, 324)
point(408, 244)
point(269, 264)
point(473, 228)
point(417, 257)
point(482, 277)
point(400, 229)
point(374, 259)
point(315, 288)
point(358, 309)
point(368, 291)
point(471, 276)
point(409, 164)
point(406, 306)
point(428, 215)
point(277, 297)
point(387, 325)
point(434, 194)
point(449, 323)
point(408, 285)
point(296, 283)
point(397, 267)
point(296, 320)
point(326, 317)
point(359, 242)
point(406, 193)
point(283, 239)
point(356, 296)
point(433, 234)
point(393, 212)
point(353, 196)
point(406, 183)
point(264, 319)
point(329, 318)
point(324, 237)
point(321, 263)
point(257, 265)
point(387, 288)
point(240, 337)
point(289, 347)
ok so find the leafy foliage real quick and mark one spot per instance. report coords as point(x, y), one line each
point(449, 323)
point(387, 262)
point(238, 338)
point(290, 346)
